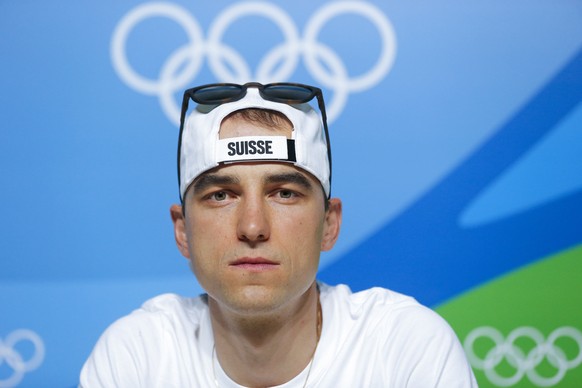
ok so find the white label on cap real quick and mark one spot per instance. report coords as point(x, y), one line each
point(235, 149)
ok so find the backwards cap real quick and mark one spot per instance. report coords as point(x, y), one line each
point(201, 149)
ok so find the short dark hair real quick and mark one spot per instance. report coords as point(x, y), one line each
point(264, 117)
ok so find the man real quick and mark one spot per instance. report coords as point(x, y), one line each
point(255, 179)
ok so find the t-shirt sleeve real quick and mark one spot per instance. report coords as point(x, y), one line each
point(118, 359)
point(431, 354)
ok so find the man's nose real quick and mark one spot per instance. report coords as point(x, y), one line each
point(253, 222)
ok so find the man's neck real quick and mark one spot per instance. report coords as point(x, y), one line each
point(269, 349)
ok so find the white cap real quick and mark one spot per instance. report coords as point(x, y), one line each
point(202, 150)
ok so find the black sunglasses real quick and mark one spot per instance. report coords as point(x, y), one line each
point(283, 92)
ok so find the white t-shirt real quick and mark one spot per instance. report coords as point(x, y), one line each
point(373, 338)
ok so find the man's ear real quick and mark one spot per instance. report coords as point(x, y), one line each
point(332, 224)
point(180, 230)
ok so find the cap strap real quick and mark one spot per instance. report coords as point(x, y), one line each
point(245, 148)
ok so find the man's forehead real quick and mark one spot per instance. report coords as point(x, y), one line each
point(261, 172)
point(258, 168)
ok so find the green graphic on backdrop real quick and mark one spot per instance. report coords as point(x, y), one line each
point(525, 329)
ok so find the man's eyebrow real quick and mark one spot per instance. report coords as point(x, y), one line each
point(290, 177)
point(207, 180)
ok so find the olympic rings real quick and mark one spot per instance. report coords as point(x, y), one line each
point(525, 364)
point(14, 359)
point(228, 65)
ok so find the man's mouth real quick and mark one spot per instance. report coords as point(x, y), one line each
point(254, 264)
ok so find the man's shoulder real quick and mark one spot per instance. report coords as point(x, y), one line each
point(392, 337)
point(375, 296)
point(385, 318)
point(174, 304)
point(161, 332)
point(163, 312)
point(377, 304)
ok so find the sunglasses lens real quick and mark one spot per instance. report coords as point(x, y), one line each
point(217, 94)
point(288, 93)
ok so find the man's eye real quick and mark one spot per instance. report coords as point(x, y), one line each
point(219, 196)
point(286, 194)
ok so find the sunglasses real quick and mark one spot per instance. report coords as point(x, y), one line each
point(282, 92)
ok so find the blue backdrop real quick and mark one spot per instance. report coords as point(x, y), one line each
point(456, 129)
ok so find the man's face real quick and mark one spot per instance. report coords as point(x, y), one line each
point(254, 231)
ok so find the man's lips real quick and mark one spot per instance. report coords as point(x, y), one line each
point(254, 263)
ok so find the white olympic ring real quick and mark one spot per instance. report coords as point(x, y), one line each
point(14, 359)
point(524, 364)
point(277, 65)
